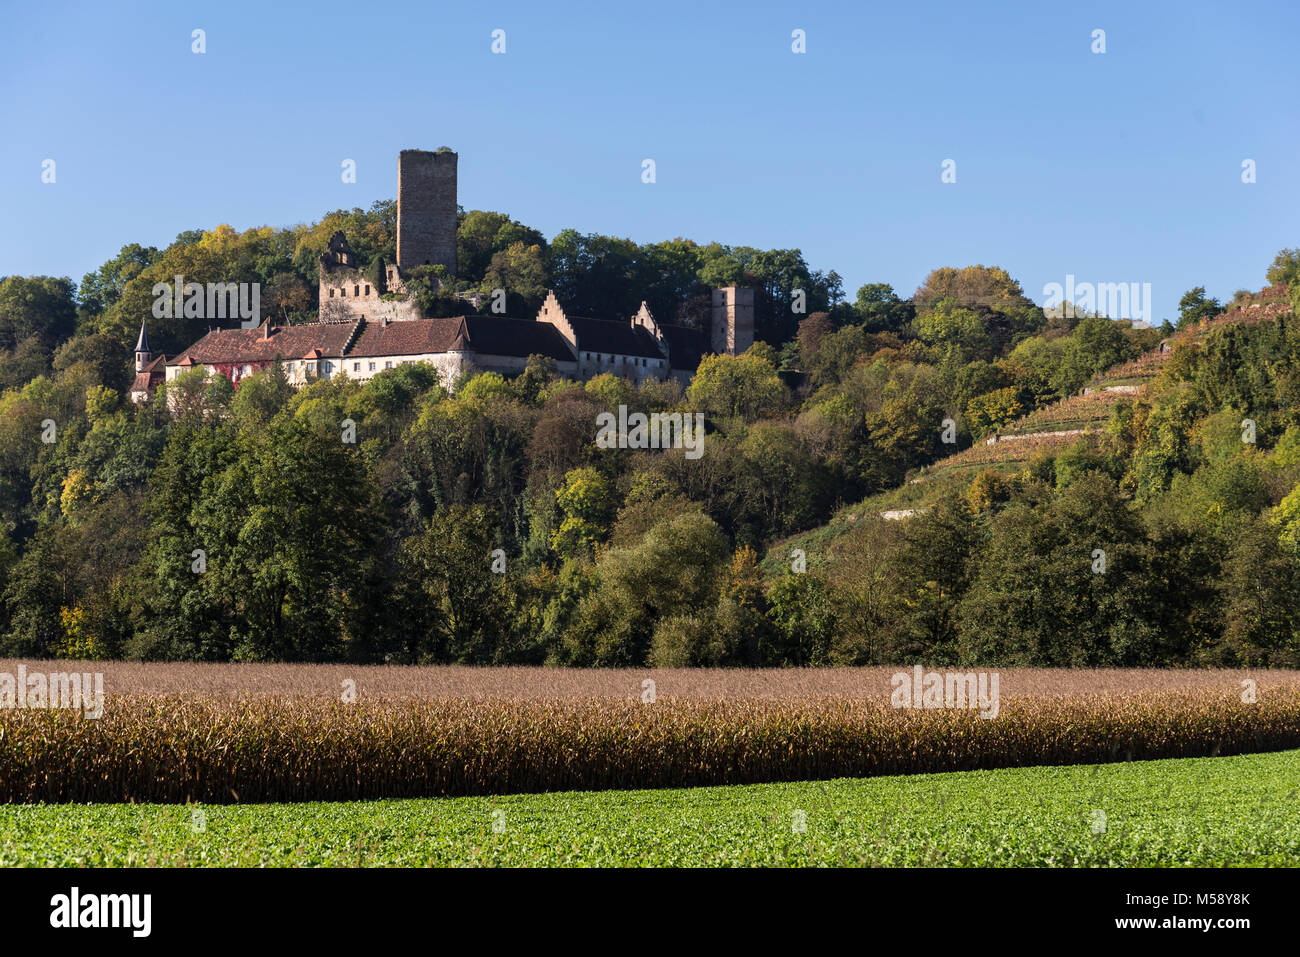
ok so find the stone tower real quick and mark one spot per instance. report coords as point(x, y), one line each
point(732, 320)
point(426, 209)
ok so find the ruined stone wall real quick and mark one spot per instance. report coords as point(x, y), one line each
point(339, 309)
point(426, 209)
point(343, 283)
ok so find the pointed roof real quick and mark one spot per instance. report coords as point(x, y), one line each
point(142, 344)
point(460, 342)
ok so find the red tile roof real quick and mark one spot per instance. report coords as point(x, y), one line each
point(152, 373)
point(285, 342)
point(409, 337)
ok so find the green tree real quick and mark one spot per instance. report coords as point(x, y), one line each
point(1195, 305)
point(455, 602)
point(744, 386)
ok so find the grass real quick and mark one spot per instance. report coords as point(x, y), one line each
point(1228, 811)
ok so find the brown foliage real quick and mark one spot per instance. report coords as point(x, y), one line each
point(232, 733)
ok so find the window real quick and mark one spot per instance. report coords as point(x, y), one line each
point(367, 289)
point(329, 367)
point(388, 365)
point(372, 367)
point(311, 367)
point(248, 370)
point(331, 292)
point(356, 291)
point(343, 293)
point(356, 367)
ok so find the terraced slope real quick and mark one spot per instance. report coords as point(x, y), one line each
point(1051, 428)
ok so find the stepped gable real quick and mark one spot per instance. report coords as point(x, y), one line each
point(267, 343)
point(412, 337)
point(521, 338)
point(620, 338)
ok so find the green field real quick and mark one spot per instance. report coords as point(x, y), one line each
point(1235, 811)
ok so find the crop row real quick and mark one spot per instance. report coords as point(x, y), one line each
point(219, 749)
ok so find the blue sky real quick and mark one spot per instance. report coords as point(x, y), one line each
point(1115, 167)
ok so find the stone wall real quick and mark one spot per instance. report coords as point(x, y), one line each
point(339, 309)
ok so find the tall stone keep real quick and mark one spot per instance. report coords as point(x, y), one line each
point(426, 209)
point(732, 320)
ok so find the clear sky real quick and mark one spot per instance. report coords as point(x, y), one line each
point(1117, 167)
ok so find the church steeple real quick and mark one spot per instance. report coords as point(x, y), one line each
point(142, 353)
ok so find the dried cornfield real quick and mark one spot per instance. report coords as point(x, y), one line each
point(223, 733)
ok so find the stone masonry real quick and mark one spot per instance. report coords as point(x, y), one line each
point(732, 320)
point(426, 209)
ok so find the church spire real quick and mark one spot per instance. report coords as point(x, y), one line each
point(142, 352)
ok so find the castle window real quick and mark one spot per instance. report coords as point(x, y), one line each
point(356, 290)
point(331, 292)
point(343, 293)
point(367, 289)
